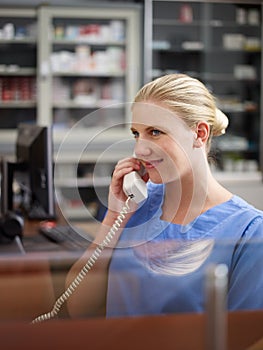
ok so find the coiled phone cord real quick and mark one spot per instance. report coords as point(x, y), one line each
point(86, 268)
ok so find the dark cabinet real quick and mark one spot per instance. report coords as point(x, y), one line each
point(220, 44)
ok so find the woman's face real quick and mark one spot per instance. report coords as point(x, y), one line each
point(164, 143)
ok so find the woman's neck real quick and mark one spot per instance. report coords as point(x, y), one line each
point(188, 198)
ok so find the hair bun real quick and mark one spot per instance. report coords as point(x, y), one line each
point(220, 124)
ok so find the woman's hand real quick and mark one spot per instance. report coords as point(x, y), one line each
point(117, 197)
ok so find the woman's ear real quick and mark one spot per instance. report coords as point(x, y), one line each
point(201, 134)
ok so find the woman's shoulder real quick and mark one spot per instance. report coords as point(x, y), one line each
point(237, 210)
point(244, 205)
point(253, 216)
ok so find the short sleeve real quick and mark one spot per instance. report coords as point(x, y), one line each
point(246, 273)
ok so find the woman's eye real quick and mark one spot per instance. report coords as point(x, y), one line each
point(156, 132)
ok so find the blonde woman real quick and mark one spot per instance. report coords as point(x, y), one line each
point(156, 262)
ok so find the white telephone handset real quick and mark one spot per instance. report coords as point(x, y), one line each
point(135, 187)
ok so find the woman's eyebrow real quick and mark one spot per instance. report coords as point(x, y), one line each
point(158, 127)
point(152, 127)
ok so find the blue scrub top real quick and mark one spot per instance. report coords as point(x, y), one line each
point(159, 267)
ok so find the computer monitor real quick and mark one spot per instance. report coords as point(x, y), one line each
point(34, 154)
point(32, 173)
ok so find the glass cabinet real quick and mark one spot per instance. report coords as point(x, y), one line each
point(220, 44)
point(60, 64)
point(18, 56)
point(89, 60)
point(76, 69)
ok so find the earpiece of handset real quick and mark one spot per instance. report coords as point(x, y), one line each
point(135, 187)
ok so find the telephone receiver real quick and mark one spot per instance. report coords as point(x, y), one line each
point(134, 186)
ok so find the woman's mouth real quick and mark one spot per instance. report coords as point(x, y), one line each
point(152, 164)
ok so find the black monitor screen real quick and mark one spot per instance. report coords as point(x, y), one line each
point(34, 153)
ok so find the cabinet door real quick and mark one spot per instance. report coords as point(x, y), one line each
point(232, 70)
point(220, 44)
point(177, 34)
point(89, 67)
point(89, 72)
point(18, 52)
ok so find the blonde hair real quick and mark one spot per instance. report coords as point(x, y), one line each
point(189, 98)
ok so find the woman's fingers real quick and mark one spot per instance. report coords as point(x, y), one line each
point(124, 167)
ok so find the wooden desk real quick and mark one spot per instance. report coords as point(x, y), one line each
point(182, 332)
point(30, 284)
point(31, 227)
point(27, 290)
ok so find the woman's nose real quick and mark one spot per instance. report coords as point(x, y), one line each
point(142, 148)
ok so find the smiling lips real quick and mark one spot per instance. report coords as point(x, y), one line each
point(152, 164)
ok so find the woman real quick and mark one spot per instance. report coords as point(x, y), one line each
point(157, 260)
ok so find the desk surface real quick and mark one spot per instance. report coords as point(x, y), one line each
point(182, 332)
point(30, 283)
point(185, 331)
point(33, 241)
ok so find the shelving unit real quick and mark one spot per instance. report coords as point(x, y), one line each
point(84, 193)
point(237, 41)
point(220, 44)
point(93, 60)
point(85, 64)
point(76, 61)
point(18, 52)
point(90, 59)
